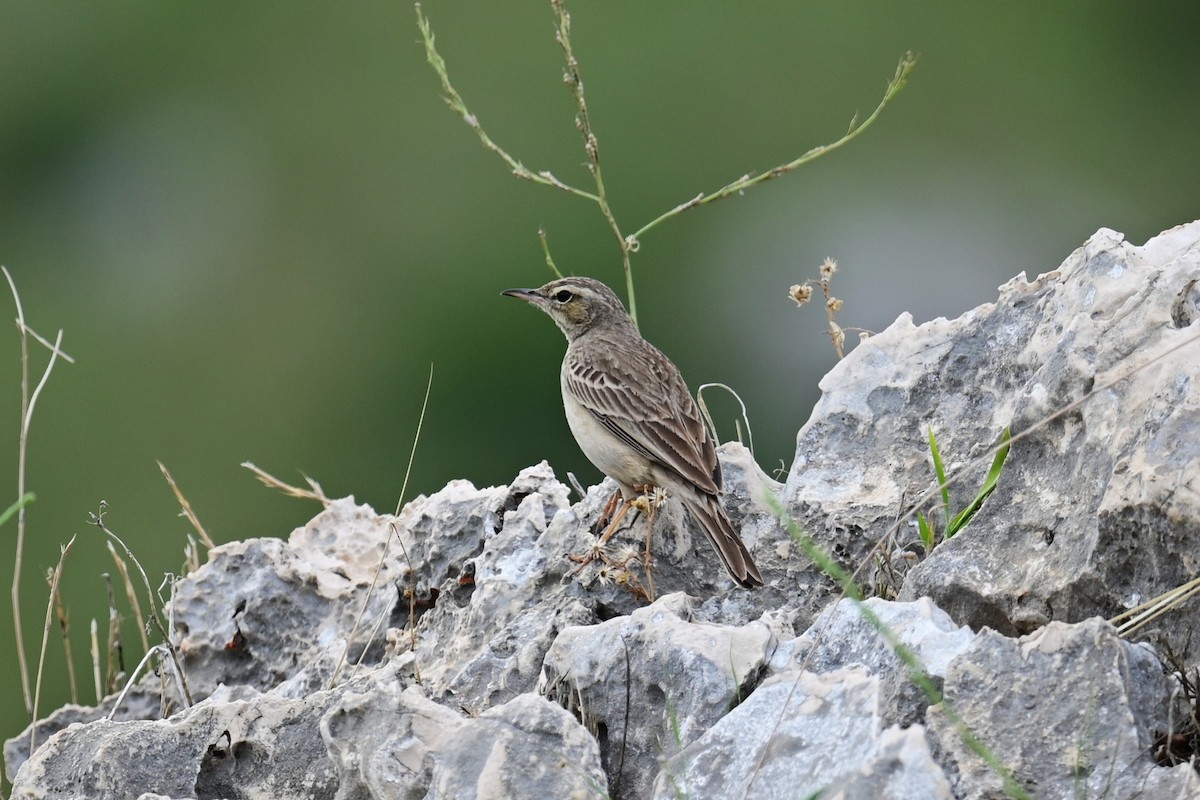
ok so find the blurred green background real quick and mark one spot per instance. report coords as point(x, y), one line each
point(258, 224)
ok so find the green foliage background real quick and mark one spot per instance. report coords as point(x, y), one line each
point(258, 225)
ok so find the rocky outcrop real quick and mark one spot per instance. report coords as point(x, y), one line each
point(457, 650)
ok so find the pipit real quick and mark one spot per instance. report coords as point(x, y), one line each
point(632, 414)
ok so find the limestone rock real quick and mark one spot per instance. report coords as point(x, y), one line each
point(458, 651)
point(799, 734)
point(1072, 710)
point(842, 637)
point(652, 682)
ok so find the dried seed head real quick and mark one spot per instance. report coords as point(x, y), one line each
point(627, 554)
point(833, 304)
point(801, 293)
point(828, 267)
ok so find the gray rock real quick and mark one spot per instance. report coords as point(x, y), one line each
point(1072, 711)
point(651, 683)
point(372, 656)
point(1093, 513)
point(528, 747)
point(799, 734)
point(1096, 511)
point(142, 702)
point(262, 612)
point(842, 637)
point(216, 749)
point(384, 739)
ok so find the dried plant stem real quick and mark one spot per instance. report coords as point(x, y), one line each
point(28, 401)
point(314, 492)
point(411, 591)
point(95, 651)
point(591, 145)
point(455, 101)
point(544, 238)
point(55, 577)
point(1128, 622)
point(571, 77)
point(130, 595)
point(412, 453)
point(186, 507)
point(64, 629)
point(712, 426)
point(97, 519)
point(903, 70)
point(114, 650)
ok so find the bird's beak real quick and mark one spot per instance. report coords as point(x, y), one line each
point(528, 295)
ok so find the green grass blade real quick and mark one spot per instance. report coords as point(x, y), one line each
point(940, 470)
point(17, 506)
point(989, 484)
point(926, 532)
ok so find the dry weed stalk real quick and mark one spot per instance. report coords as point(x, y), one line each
point(627, 244)
point(186, 507)
point(28, 402)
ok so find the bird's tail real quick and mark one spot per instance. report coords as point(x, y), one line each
point(709, 515)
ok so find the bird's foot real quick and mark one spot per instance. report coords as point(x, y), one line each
point(615, 567)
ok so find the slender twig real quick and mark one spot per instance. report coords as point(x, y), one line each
point(186, 507)
point(114, 650)
point(157, 650)
point(544, 238)
point(55, 578)
point(571, 77)
point(64, 629)
point(28, 401)
point(903, 70)
point(383, 556)
point(130, 594)
point(95, 651)
point(97, 519)
point(456, 103)
point(412, 453)
point(591, 145)
point(315, 492)
point(1127, 622)
point(712, 426)
point(411, 591)
point(362, 610)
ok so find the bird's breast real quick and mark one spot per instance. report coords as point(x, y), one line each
point(609, 454)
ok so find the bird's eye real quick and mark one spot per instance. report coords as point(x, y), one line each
point(563, 296)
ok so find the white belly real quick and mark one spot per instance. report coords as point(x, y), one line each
point(611, 455)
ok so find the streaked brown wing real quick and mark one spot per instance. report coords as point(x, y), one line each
point(642, 398)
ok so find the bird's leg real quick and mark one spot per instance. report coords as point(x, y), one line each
point(606, 513)
point(597, 551)
point(648, 499)
point(616, 522)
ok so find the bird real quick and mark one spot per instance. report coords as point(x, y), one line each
point(632, 415)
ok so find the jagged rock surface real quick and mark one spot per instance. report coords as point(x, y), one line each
point(799, 733)
point(457, 651)
point(622, 678)
point(1098, 508)
point(1072, 711)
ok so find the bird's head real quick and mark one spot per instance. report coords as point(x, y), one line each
point(577, 305)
